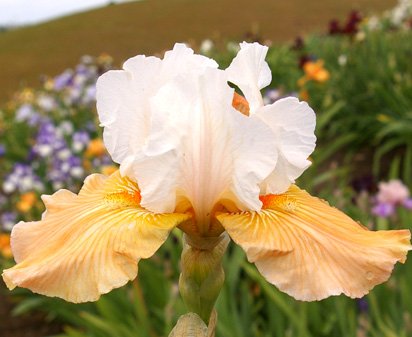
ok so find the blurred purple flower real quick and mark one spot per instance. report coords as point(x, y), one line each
point(383, 210)
point(408, 203)
point(50, 139)
point(73, 95)
point(271, 96)
point(80, 140)
point(27, 113)
point(22, 179)
point(89, 95)
point(82, 69)
point(8, 220)
point(2, 150)
point(63, 80)
point(362, 304)
point(90, 126)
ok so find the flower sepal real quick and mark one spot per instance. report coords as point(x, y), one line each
point(191, 325)
point(202, 275)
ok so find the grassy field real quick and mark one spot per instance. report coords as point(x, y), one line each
point(154, 25)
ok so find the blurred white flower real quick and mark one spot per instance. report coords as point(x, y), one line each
point(46, 102)
point(65, 128)
point(44, 150)
point(401, 12)
point(342, 60)
point(64, 154)
point(206, 46)
point(232, 47)
point(9, 187)
point(77, 172)
point(374, 23)
point(26, 183)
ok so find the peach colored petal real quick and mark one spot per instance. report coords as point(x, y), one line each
point(311, 250)
point(87, 244)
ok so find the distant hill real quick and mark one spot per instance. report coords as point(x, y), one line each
point(151, 26)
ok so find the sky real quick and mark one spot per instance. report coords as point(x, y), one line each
point(18, 12)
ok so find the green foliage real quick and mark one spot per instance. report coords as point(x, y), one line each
point(366, 105)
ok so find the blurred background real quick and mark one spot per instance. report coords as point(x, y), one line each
point(351, 60)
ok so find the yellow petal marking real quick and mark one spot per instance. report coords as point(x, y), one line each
point(311, 250)
point(87, 244)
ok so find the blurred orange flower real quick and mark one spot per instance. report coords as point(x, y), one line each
point(314, 71)
point(26, 202)
point(104, 58)
point(96, 148)
point(5, 248)
point(304, 95)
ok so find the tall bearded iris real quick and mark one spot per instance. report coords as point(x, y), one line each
point(195, 155)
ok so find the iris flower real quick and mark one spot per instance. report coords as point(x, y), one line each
point(195, 155)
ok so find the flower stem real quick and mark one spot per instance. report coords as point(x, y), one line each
point(202, 275)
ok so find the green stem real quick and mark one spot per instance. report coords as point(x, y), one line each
point(202, 275)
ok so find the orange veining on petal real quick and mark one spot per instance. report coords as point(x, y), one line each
point(123, 199)
point(240, 104)
point(121, 192)
point(280, 201)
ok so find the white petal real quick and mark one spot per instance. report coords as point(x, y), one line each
point(123, 97)
point(250, 72)
point(293, 123)
point(182, 60)
point(202, 148)
point(123, 106)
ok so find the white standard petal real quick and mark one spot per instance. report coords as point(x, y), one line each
point(123, 97)
point(122, 105)
point(250, 72)
point(182, 60)
point(201, 148)
point(293, 124)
